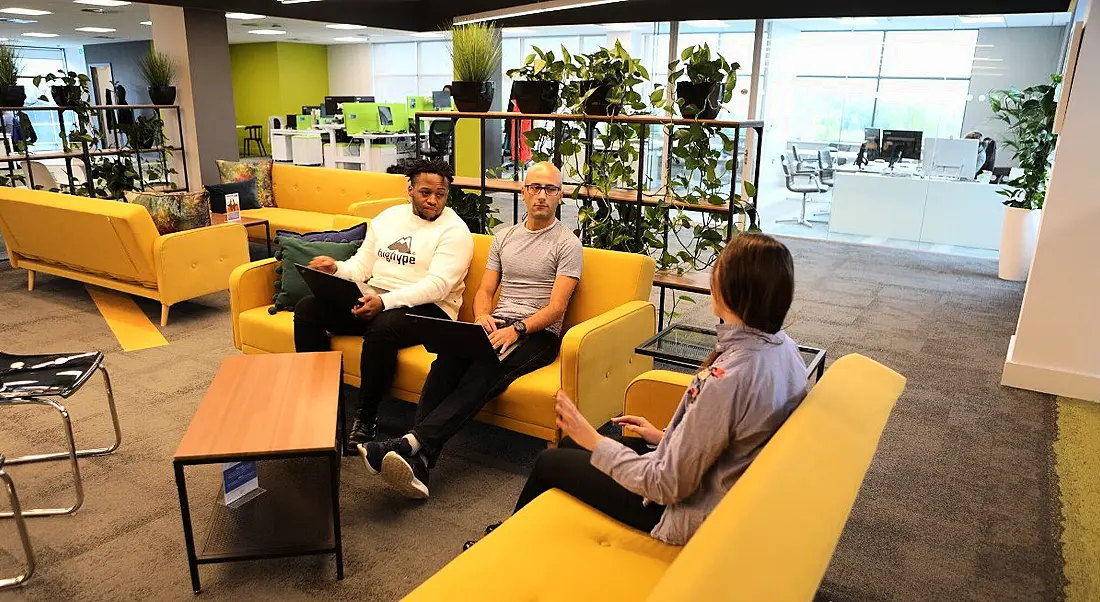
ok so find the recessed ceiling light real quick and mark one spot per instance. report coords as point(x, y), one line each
point(351, 39)
point(707, 23)
point(427, 34)
point(35, 34)
point(95, 29)
point(146, 22)
point(29, 12)
point(976, 19)
point(103, 2)
point(267, 32)
point(348, 26)
point(244, 16)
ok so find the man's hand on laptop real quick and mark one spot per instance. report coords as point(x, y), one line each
point(369, 308)
point(503, 338)
point(489, 323)
point(324, 264)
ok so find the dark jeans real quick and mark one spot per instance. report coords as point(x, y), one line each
point(571, 470)
point(456, 388)
point(383, 337)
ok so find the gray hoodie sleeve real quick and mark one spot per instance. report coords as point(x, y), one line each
point(699, 432)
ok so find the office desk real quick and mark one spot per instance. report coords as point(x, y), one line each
point(371, 157)
point(966, 214)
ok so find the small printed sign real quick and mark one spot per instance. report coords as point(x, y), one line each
point(233, 207)
point(241, 483)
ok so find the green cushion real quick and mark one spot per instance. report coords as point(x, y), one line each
point(289, 286)
point(174, 211)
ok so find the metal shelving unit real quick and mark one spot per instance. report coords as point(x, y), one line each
point(85, 153)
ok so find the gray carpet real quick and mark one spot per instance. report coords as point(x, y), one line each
point(958, 504)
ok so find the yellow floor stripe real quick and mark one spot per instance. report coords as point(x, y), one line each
point(1077, 460)
point(131, 326)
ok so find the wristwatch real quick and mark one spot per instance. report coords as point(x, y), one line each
point(520, 327)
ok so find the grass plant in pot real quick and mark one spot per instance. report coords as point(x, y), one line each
point(537, 85)
point(1029, 114)
point(11, 93)
point(158, 71)
point(710, 84)
point(607, 81)
point(475, 54)
point(69, 92)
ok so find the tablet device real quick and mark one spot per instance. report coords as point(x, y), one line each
point(331, 290)
point(463, 339)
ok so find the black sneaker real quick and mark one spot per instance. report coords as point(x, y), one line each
point(362, 431)
point(408, 475)
point(374, 451)
point(492, 527)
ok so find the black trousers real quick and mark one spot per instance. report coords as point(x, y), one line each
point(383, 337)
point(456, 388)
point(570, 470)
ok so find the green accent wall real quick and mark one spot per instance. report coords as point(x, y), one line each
point(276, 78)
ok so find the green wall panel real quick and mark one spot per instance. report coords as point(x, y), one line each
point(276, 78)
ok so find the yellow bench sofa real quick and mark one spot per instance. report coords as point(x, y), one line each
point(116, 245)
point(309, 197)
point(770, 539)
point(608, 316)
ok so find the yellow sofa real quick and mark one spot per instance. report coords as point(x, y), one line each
point(116, 245)
point(309, 197)
point(770, 539)
point(608, 316)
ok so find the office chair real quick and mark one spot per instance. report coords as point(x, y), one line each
point(808, 186)
point(254, 136)
point(21, 528)
point(39, 176)
point(440, 134)
point(828, 170)
point(801, 165)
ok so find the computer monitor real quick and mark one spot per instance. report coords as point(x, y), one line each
point(950, 158)
point(870, 134)
point(441, 100)
point(385, 116)
point(333, 104)
point(901, 144)
point(309, 109)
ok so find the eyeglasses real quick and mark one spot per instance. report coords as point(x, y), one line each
point(550, 189)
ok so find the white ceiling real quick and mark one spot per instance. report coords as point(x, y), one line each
point(126, 20)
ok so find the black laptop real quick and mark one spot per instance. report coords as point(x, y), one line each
point(463, 339)
point(332, 290)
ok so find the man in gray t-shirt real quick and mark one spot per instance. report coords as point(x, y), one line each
point(536, 265)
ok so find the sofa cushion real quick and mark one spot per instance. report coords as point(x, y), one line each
point(290, 287)
point(333, 190)
point(291, 220)
point(174, 211)
point(235, 171)
point(593, 558)
point(245, 189)
point(271, 333)
point(356, 232)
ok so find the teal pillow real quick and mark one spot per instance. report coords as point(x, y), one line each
point(289, 287)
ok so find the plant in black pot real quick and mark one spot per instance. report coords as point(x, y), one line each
point(475, 54)
point(710, 84)
point(11, 93)
point(69, 92)
point(158, 71)
point(474, 209)
point(537, 84)
point(607, 81)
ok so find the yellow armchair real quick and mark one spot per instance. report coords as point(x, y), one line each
point(251, 286)
point(193, 263)
point(654, 396)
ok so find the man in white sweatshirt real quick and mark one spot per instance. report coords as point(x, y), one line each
point(413, 260)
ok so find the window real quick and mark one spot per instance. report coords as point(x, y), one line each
point(410, 68)
point(833, 108)
point(40, 61)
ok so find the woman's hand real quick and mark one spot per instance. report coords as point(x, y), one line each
point(574, 424)
point(641, 427)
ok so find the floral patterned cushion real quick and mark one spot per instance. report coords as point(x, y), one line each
point(235, 171)
point(174, 211)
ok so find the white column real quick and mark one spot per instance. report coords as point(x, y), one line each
point(1056, 348)
point(198, 42)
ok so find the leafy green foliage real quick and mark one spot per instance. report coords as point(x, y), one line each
point(614, 69)
point(473, 208)
point(544, 66)
point(157, 69)
point(1029, 114)
point(701, 67)
point(475, 52)
point(9, 65)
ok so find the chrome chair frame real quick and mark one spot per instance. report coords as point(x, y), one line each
point(24, 537)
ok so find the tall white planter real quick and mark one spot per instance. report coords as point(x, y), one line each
point(1021, 227)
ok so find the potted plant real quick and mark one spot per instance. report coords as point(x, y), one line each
point(536, 85)
point(11, 93)
point(71, 90)
point(475, 54)
point(158, 71)
point(1029, 114)
point(474, 209)
point(710, 82)
point(607, 80)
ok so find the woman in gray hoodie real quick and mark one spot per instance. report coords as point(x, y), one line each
point(739, 398)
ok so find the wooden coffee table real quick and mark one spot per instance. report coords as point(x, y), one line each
point(220, 218)
point(260, 408)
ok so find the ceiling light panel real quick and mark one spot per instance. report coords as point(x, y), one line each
point(347, 26)
point(95, 29)
point(26, 12)
point(267, 32)
point(351, 39)
point(244, 16)
point(35, 34)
